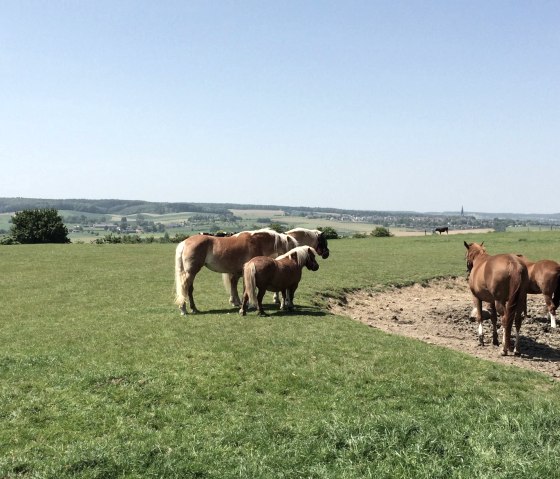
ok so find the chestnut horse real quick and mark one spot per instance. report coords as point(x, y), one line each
point(282, 274)
point(223, 255)
point(501, 280)
point(544, 278)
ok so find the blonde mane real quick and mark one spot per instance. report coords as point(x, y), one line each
point(282, 242)
point(302, 253)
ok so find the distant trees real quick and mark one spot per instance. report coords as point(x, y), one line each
point(38, 226)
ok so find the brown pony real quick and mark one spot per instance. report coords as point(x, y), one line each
point(544, 277)
point(282, 274)
point(501, 280)
point(222, 255)
point(314, 238)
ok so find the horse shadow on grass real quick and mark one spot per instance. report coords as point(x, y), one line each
point(270, 310)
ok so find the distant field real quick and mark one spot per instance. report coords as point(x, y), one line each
point(253, 214)
point(101, 378)
point(5, 221)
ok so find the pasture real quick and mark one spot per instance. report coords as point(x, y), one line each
point(101, 377)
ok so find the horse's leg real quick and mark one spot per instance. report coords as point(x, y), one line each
point(188, 288)
point(276, 298)
point(284, 300)
point(243, 309)
point(551, 306)
point(291, 294)
point(507, 323)
point(191, 273)
point(478, 306)
point(494, 319)
point(260, 295)
point(518, 319)
point(234, 295)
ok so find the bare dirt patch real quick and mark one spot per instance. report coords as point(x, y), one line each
point(439, 313)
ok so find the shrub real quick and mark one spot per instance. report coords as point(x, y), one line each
point(39, 226)
point(381, 232)
point(330, 233)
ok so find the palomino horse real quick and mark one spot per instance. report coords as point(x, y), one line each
point(501, 280)
point(544, 277)
point(282, 274)
point(222, 255)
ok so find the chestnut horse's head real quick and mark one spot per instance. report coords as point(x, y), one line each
point(473, 251)
point(303, 256)
point(311, 262)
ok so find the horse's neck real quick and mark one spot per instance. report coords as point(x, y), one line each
point(304, 238)
point(481, 256)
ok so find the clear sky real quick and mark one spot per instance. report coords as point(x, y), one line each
point(379, 105)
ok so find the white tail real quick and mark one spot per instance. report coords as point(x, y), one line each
point(249, 273)
point(180, 276)
point(226, 279)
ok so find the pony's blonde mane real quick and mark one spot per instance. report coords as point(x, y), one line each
point(302, 253)
point(282, 242)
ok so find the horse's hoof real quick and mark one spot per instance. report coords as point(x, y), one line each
point(242, 312)
point(504, 353)
point(516, 353)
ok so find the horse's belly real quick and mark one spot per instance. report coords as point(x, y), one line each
point(223, 265)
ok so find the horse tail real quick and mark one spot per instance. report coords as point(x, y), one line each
point(249, 279)
point(180, 275)
point(517, 291)
point(556, 297)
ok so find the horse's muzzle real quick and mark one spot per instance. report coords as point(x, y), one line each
point(325, 253)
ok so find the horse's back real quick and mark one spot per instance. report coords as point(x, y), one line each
point(492, 279)
point(264, 267)
point(274, 275)
point(544, 275)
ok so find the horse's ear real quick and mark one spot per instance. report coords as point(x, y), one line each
point(294, 256)
point(482, 244)
point(467, 245)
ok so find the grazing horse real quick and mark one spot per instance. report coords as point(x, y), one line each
point(282, 274)
point(223, 255)
point(501, 280)
point(544, 277)
point(443, 229)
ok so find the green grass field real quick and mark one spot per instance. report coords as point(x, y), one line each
point(101, 378)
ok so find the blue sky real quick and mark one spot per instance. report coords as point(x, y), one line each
point(383, 105)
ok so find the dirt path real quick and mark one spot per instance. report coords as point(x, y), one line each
point(439, 314)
